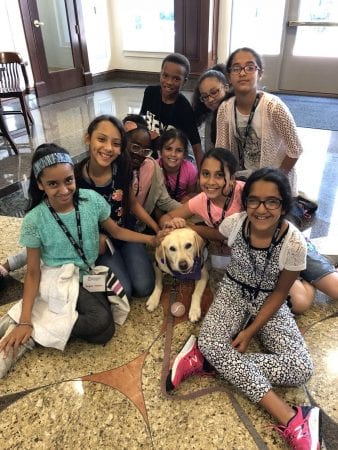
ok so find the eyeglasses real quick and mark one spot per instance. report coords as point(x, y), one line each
point(249, 68)
point(269, 203)
point(136, 148)
point(204, 98)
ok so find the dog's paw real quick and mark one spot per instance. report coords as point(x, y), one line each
point(152, 303)
point(194, 314)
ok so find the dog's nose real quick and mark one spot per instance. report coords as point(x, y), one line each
point(183, 265)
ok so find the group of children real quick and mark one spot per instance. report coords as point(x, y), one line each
point(95, 214)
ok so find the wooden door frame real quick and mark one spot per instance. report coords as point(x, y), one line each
point(196, 32)
point(37, 68)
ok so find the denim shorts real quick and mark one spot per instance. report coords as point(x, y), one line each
point(317, 266)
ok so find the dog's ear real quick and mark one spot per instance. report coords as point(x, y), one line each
point(199, 242)
point(160, 253)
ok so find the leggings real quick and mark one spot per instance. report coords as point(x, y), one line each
point(285, 362)
point(95, 322)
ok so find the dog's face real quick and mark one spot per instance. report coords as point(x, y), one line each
point(179, 249)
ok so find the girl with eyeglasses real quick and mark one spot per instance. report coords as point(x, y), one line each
point(180, 175)
point(210, 90)
point(267, 253)
point(148, 182)
point(255, 125)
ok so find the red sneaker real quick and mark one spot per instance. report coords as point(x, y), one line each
point(188, 362)
point(303, 430)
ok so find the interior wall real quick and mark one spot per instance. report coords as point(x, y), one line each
point(103, 30)
point(12, 36)
point(224, 25)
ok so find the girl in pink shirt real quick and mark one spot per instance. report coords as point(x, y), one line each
point(180, 175)
point(220, 196)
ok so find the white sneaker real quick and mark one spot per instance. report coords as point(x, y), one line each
point(5, 322)
point(7, 363)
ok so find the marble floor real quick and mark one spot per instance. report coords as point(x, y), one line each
point(113, 397)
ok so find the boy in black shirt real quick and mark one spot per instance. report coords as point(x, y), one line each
point(165, 107)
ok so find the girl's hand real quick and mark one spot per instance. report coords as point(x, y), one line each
point(176, 222)
point(242, 341)
point(19, 335)
point(156, 240)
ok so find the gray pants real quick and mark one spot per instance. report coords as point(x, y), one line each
point(285, 362)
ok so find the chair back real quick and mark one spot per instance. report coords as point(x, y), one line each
point(13, 74)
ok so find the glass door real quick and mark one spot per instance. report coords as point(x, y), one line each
point(57, 49)
point(310, 56)
point(55, 34)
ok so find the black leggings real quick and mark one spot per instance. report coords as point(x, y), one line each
point(95, 323)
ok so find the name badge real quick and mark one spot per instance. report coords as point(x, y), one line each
point(95, 283)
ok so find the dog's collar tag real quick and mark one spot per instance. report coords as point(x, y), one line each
point(194, 274)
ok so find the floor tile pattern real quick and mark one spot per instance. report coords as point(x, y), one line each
point(109, 397)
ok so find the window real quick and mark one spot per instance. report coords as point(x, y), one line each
point(148, 25)
point(252, 22)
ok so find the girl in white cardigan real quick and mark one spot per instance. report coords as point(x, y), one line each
point(256, 126)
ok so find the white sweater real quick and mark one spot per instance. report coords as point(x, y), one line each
point(278, 133)
point(54, 311)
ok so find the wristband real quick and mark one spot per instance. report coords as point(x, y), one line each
point(24, 323)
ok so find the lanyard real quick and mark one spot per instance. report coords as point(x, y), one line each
point(242, 144)
point(173, 193)
point(225, 207)
point(267, 258)
point(78, 247)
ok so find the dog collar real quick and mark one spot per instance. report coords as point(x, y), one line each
point(194, 274)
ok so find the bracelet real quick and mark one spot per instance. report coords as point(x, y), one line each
point(24, 323)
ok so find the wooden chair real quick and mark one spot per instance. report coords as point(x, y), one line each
point(14, 84)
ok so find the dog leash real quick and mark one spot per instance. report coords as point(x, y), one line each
point(193, 395)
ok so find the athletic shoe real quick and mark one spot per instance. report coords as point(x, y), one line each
point(303, 430)
point(7, 363)
point(188, 362)
point(5, 322)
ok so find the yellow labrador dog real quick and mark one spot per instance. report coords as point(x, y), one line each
point(181, 255)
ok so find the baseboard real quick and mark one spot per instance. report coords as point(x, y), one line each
point(137, 77)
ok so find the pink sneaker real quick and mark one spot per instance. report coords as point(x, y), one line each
point(303, 430)
point(189, 361)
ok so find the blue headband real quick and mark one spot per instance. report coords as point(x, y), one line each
point(50, 160)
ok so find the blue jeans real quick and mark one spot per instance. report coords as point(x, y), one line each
point(317, 266)
point(133, 267)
